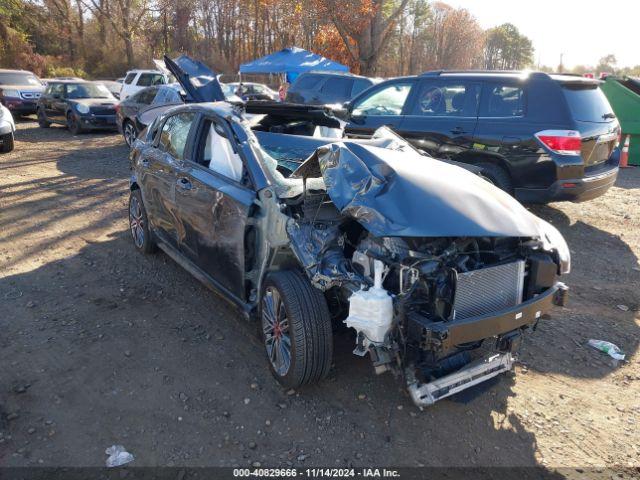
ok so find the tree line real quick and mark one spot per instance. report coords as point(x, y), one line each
point(104, 38)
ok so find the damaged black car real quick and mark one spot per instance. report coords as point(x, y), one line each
point(439, 273)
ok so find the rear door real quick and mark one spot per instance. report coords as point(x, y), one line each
point(383, 105)
point(441, 116)
point(158, 177)
point(596, 122)
point(213, 200)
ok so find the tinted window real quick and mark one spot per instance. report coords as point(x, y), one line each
point(173, 138)
point(129, 78)
point(359, 86)
point(19, 78)
point(338, 87)
point(503, 101)
point(588, 104)
point(146, 96)
point(387, 100)
point(443, 99)
point(148, 79)
point(307, 82)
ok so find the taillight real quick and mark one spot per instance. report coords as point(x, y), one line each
point(562, 142)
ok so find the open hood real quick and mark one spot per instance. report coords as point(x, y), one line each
point(198, 81)
point(402, 193)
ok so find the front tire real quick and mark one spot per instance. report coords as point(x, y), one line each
point(73, 124)
point(139, 224)
point(7, 143)
point(296, 329)
point(129, 132)
point(42, 119)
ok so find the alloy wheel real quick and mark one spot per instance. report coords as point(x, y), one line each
point(275, 325)
point(137, 222)
point(129, 133)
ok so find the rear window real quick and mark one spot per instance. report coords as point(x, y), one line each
point(338, 86)
point(307, 82)
point(588, 104)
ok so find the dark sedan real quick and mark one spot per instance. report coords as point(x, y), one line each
point(79, 105)
point(128, 109)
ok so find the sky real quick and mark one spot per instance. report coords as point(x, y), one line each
point(583, 31)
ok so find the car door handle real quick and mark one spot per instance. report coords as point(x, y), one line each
point(184, 183)
point(458, 131)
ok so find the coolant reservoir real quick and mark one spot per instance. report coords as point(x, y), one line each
point(371, 311)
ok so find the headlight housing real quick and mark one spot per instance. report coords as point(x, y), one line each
point(552, 240)
point(10, 93)
point(82, 108)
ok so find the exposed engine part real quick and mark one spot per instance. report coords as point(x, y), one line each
point(371, 313)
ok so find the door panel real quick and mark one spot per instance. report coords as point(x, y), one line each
point(157, 181)
point(442, 117)
point(213, 214)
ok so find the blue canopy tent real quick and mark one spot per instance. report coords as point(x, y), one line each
point(291, 62)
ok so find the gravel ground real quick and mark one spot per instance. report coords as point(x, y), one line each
point(101, 345)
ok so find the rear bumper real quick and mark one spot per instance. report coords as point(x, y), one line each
point(574, 190)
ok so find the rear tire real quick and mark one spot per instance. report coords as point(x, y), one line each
point(7, 143)
point(497, 176)
point(73, 124)
point(139, 225)
point(42, 119)
point(296, 329)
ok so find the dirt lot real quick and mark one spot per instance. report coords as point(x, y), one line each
point(101, 345)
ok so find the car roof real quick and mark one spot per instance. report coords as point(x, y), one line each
point(8, 70)
point(515, 74)
point(55, 80)
point(222, 109)
point(142, 70)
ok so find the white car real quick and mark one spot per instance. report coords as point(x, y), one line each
point(7, 129)
point(136, 80)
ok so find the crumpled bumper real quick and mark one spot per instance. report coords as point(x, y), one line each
point(425, 394)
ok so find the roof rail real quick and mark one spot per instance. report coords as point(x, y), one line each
point(436, 73)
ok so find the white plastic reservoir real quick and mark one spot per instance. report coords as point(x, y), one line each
point(371, 311)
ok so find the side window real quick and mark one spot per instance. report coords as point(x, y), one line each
point(444, 99)
point(57, 89)
point(336, 86)
point(387, 100)
point(502, 100)
point(307, 82)
point(174, 134)
point(129, 78)
point(217, 152)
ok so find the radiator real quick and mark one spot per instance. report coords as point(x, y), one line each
point(488, 290)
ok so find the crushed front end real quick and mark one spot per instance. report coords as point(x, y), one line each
point(439, 273)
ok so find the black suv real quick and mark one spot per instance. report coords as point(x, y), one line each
point(79, 105)
point(326, 88)
point(539, 137)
